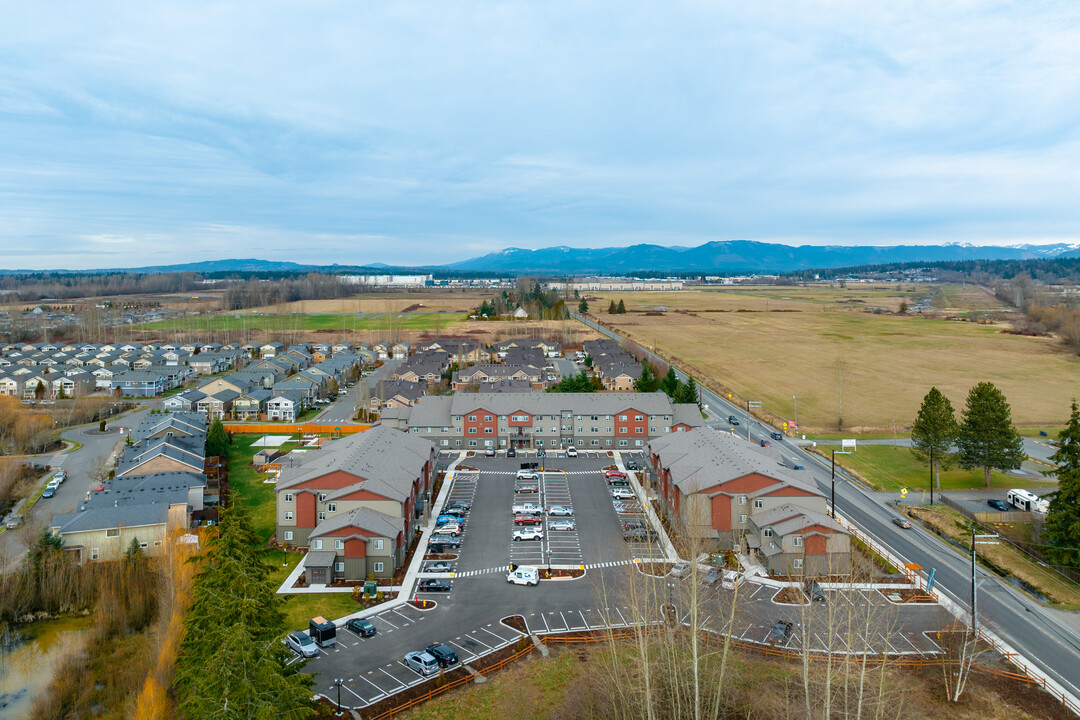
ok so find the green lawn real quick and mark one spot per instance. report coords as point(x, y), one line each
point(300, 608)
point(892, 468)
point(247, 487)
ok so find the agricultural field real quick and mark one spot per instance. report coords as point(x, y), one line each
point(433, 300)
point(851, 369)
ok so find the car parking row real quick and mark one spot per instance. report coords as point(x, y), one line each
point(447, 538)
point(643, 540)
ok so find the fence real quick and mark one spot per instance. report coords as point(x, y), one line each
point(986, 517)
point(294, 429)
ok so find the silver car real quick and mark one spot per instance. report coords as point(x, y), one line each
point(302, 644)
point(422, 662)
point(561, 511)
point(562, 525)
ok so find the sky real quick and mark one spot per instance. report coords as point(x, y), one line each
point(427, 132)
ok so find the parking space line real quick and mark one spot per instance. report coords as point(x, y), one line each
point(479, 640)
point(621, 616)
point(400, 684)
point(382, 693)
point(404, 616)
point(464, 650)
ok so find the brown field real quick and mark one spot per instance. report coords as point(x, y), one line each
point(876, 367)
point(433, 300)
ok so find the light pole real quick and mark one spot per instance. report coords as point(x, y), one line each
point(931, 474)
point(750, 404)
point(337, 683)
point(977, 540)
point(832, 503)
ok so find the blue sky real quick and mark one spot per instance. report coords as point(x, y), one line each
point(400, 132)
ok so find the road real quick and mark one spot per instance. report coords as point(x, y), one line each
point(1031, 629)
point(78, 464)
point(344, 409)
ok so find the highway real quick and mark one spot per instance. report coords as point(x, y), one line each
point(1032, 630)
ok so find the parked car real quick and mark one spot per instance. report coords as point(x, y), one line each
point(901, 522)
point(439, 566)
point(571, 451)
point(421, 662)
point(815, 592)
point(459, 504)
point(780, 632)
point(523, 575)
point(528, 534)
point(527, 475)
point(444, 655)
point(711, 577)
point(447, 518)
point(490, 452)
point(640, 535)
point(444, 540)
point(48, 492)
point(361, 626)
point(53, 484)
point(14, 521)
point(998, 504)
point(631, 464)
point(562, 525)
point(454, 512)
point(731, 579)
point(764, 443)
point(616, 481)
point(527, 509)
point(733, 420)
point(561, 511)
point(634, 524)
point(524, 519)
point(622, 494)
point(527, 487)
point(797, 467)
point(451, 529)
point(432, 585)
point(614, 474)
point(511, 453)
point(302, 644)
point(680, 570)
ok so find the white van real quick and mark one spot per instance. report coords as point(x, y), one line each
point(524, 575)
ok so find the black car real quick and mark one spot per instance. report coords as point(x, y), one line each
point(711, 576)
point(814, 591)
point(640, 535)
point(780, 633)
point(434, 586)
point(461, 504)
point(361, 627)
point(443, 654)
point(733, 420)
point(998, 504)
point(631, 464)
point(776, 436)
point(634, 524)
point(511, 453)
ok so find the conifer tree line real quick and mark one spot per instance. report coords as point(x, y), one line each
point(677, 390)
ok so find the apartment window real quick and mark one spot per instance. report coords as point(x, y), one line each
point(742, 519)
point(339, 567)
point(157, 543)
point(339, 544)
point(538, 429)
point(767, 532)
point(457, 443)
point(316, 544)
point(93, 553)
point(322, 515)
point(594, 442)
point(554, 430)
point(288, 534)
point(144, 545)
point(332, 507)
point(638, 418)
point(322, 497)
point(377, 567)
point(638, 443)
point(607, 443)
point(488, 431)
point(622, 431)
point(759, 503)
point(376, 544)
point(472, 418)
point(112, 532)
point(540, 443)
point(472, 431)
point(594, 429)
point(580, 430)
point(797, 564)
point(288, 514)
point(594, 417)
point(445, 443)
point(472, 443)
point(742, 499)
point(639, 430)
point(444, 430)
point(502, 417)
point(622, 418)
point(288, 497)
point(487, 418)
point(520, 418)
point(797, 541)
point(624, 443)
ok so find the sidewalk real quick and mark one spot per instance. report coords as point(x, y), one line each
point(654, 519)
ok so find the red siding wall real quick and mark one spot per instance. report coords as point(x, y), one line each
point(481, 425)
point(305, 510)
point(631, 425)
point(721, 513)
point(355, 548)
point(814, 545)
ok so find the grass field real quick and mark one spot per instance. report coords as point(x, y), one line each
point(247, 488)
point(435, 300)
point(862, 369)
point(300, 608)
point(891, 468)
point(300, 322)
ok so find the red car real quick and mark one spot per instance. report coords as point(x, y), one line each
point(614, 474)
point(528, 520)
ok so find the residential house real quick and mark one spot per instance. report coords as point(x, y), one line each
point(794, 540)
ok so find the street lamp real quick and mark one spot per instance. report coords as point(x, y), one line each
point(337, 683)
point(977, 540)
point(832, 505)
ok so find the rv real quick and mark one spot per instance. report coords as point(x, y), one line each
point(1027, 500)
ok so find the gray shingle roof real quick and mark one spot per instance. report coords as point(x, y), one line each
point(363, 518)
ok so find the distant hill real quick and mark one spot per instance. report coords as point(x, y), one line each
point(741, 256)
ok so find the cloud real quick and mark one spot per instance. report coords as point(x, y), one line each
point(407, 132)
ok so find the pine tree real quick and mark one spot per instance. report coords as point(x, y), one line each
point(987, 438)
point(670, 383)
point(217, 440)
point(621, 309)
point(647, 381)
point(1062, 528)
point(231, 662)
point(583, 307)
point(934, 433)
point(612, 309)
point(687, 392)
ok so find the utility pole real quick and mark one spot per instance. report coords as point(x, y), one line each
point(750, 404)
point(977, 540)
point(931, 474)
point(832, 502)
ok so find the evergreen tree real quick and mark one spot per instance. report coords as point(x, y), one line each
point(934, 432)
point(232, 663)
point(1062, 528)
point(987, 438)
point(670, 383)
point(583, 307)
point(687, 392)
point(647, 382)
point(217, 440)
point(612, 309)
point(621, 309)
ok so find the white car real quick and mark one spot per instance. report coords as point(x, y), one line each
point(527, 475)
point(451, 528)
point(571, 451)
point(622, 494)
point(680, 569)
point(421, 662)
point(561, 511)
point(562, 525)
point(527, 509)
point(528, 534)
point(731, 579)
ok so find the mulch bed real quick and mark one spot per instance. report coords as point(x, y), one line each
point(790, 596)
point(655, 569)
point(908, 595)
point(517, 622)
point(440, 556)
point(423, 604)
point(546, 574)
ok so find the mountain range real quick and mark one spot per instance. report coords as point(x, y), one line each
point(721, 257)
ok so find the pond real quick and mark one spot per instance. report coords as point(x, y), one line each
point(28, 656)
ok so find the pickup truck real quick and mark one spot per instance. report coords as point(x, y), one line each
point(527, 509)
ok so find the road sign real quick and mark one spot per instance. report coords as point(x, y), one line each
point(848, 443)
